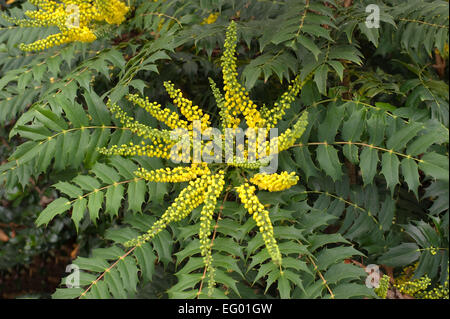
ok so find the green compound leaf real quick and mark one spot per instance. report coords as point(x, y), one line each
point(91, 264)
point(330, 256)
point(389, 168)
point(95, 202)
point(79, 207)
point(146, 260)
point(284, 287)
point(328, 159)
point(114, 196)
point(435, 165)
point(399, 140)
point(411, 174)
point(57, 207)
point(403, 254)
point(129, 273)
point(136, 195)
point(67, 293)
point(346, 291)
point(368, 164)
point(99, 291)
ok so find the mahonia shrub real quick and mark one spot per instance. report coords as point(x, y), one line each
point(95, 96)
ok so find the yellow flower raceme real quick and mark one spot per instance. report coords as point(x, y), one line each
point(247, 195)
point(274, 114)
point(383, 287)
point(171, 119)
point(237, 101)
point(176, 175)
point(275, 182)
point(215, 187)
point(112, 11)
point(75, 19)
point(82, 34)
point(211, 18)
point(220, 101)
point(156, 149)
point(287, 138)
point(191, 112)
point(420, 288)
point(190, 198)
point(413, 286)
point(138, 128)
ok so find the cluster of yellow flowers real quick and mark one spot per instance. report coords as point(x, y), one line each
point(75, 20)
point(237, 100)
point(261, 216)
point(206, 182)
point(275, 182)
point(411, 287)
point(138, 128)
point(176, 175)
point(439, 292)
point(432, 250)
point(150, 150)
point(276, 113)
point(159, 143)
point(288, 138)
point(420, 288)
point(112, 11)
point(190, 112)
point(220, 101)
point(190, 198)
point(383, 287)
point(211, 18)
point(166, 116)
point(215, 187)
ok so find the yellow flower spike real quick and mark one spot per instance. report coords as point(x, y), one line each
point(274, 114)
point(420, 288)
point(150, 150)
point(190, 198)
point(42, 44)
point(75, 19)
point(288, 138)
point(215, 187)
point(275, 182)
point(171, 119)
point(237, 100)
point(138, 128)
point(211, 18)
point(262, 219)
point(175, 175)
point(226, 119)
point(113, 11)
point(191, 112)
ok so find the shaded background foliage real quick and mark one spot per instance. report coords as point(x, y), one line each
point(357, 203)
